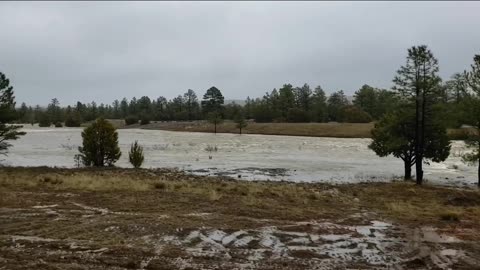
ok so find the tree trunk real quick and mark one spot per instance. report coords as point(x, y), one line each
point(240, 131)
point(478, 173)
point(408, 170)
point(418, 163)
point(478, 153)
point(215, 124)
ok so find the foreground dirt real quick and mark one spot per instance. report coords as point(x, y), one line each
point(159, 219)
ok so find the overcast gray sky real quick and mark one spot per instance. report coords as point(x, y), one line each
point(107, 50)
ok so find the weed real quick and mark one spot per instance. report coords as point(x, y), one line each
point(450, 215)
point(160, 185)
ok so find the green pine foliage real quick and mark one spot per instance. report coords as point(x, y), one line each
point(135, 156)
point(394, 134)
point(100, 144)
point(7, 115)
point(215, 119)
point(240, 122)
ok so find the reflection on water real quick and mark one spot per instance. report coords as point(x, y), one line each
point(241, 156)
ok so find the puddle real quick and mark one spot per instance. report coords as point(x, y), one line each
point(44, 206)
point(429, 234)
point(377, 245)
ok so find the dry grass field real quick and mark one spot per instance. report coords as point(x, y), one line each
point(339, 130)
point(163, 219)
point(342, 130)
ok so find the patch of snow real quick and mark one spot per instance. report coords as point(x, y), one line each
point(44, 206)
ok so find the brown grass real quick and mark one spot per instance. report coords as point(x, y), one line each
point(345, 130)
point(340, 130)
point(127, 205)
point(176, 191)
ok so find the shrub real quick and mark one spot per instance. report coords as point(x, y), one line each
point(44, 122)
point(353, 114)
point(145, 120)
point(160, 185)
point(135, 156)
point(130, 120)
point(73, 120)
point(100, 144)
point(58, 125)
point(296, 115)
point(210, 148)
point(450, 216)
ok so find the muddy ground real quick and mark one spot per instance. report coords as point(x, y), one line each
point(162, 219)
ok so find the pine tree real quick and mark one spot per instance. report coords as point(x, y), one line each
point(100, 144)
point(212, 100)
point(240, 122)
point(7, 115)
point(216, 119)
point(473, 81)
point(135, 156)
point(417, 82)
point(394, 134)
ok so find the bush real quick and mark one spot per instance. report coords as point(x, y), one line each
point(58, 125)
point(295, 115)
point(130, 120)
point(353, 114)
point(210, 148)
point(72, 123)
point(44, 122)
point(450, 216)
point(144, 121)
point(135, 156)
point(73, 120)
point(100, 144)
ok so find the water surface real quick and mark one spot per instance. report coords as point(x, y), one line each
point(246, 156)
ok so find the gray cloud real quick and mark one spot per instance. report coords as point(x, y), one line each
point(106, 50)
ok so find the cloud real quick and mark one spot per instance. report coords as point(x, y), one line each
point(109, 50)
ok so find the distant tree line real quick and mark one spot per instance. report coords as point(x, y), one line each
point(287, 104)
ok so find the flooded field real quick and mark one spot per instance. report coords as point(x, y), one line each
point(241, 156)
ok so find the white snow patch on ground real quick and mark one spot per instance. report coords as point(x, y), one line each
point(44, 206)
point(370, 244)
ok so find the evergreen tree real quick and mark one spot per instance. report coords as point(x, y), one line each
point(7, 115)
point(240, 122)
point(191, 104)
point(124, 108)
point(303, 97)
point(287, 99)
point(417, 82)
point(394, 135)
point(319, 105)
point(212, 101)
point(100, 144)
point(54, 111)
point(135, 156)
point(72, 118)
point(473, 81)
point(366, 99)
point(215, 118)
point(336, 105)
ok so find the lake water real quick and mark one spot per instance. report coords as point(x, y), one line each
point(248, 156)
